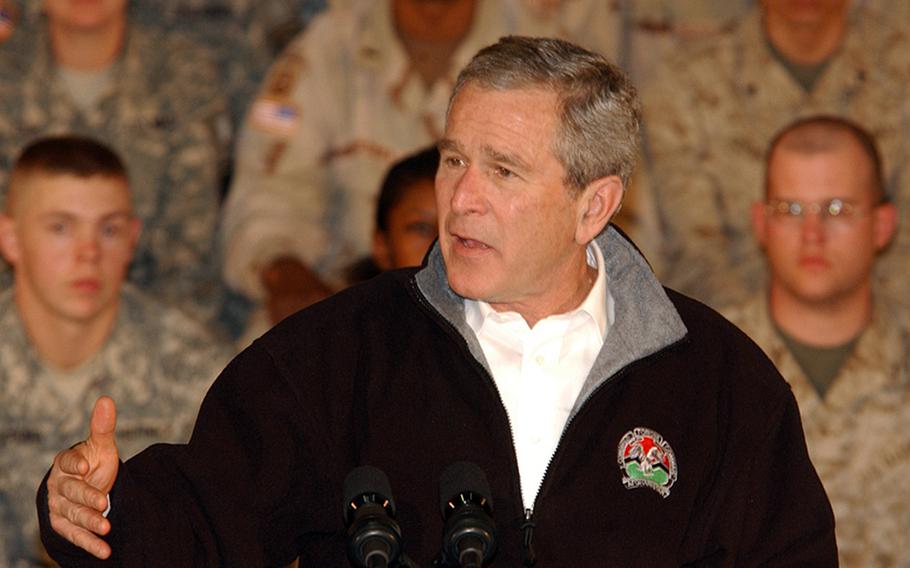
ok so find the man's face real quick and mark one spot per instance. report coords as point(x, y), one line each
point(433, 20)
point(814, 259)
point(70, 242)
point(85, 15)
point(806, 12)
point(507, 223)
point(412, 226)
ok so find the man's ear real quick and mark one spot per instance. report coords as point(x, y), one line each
point(759, 222)
point(135, 230)
point(9, 242)
point(599, 201)
point(382, 253)
point(885, 224)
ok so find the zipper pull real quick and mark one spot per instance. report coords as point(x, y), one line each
point(527, 528)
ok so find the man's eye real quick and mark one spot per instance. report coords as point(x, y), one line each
point(111, 230)
point(454, 162)
point(503, 172)
point(58, 227)
point(423, 229)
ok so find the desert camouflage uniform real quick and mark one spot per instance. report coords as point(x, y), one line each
point(337, 108)
point(162, 116)
point(157, 365)
point(858, 435)
point(709, 117)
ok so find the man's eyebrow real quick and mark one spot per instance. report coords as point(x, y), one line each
point(507, 159)
point(448, 144)
point(62, 214)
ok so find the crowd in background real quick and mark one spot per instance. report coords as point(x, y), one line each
point(256, 140)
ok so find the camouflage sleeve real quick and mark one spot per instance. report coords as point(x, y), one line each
point(278, 201)
point(186, 267)
point(687, 193)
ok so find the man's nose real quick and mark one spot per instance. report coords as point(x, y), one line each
point(88, 247)
point(468, 196)
point(813, 226)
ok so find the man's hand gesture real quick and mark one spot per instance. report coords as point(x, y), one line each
point(80, 481)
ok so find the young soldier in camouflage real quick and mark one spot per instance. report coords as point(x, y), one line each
point(152, 96)
point(842, 348)
point(71, 329)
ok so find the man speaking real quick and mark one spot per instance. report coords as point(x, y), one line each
point(618, 423)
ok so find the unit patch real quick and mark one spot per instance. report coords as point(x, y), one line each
point(646, 460)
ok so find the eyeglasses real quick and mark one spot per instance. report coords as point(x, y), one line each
point(833, 211)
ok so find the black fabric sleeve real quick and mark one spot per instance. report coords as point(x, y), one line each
point(223, 498)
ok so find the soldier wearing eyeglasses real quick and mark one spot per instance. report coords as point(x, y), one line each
point(822, 225)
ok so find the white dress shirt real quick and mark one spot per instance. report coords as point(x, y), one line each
point(539, 371)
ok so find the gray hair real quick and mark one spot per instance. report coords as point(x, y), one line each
point(599, 110)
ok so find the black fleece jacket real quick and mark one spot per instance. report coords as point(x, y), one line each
point(386, 374)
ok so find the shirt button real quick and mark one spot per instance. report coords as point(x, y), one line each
point(539, 360)
point(535, 440)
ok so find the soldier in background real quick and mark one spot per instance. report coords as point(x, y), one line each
point(715, 105)
point(71, 329)
point(156, 99)
point(839, 344)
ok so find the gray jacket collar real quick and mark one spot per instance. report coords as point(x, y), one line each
point(646, 320)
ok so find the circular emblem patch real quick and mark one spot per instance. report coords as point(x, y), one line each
point(646, 460)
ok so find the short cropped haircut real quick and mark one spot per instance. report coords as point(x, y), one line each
point(824, 133)
point(599, 110)
point(420, 166)
point(77, 156)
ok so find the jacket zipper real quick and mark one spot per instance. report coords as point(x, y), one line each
point(528, 524)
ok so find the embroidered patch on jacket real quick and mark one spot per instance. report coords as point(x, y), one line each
point(646, 460)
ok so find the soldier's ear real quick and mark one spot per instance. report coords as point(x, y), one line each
point(759, 223)
point(382, 252)
point(9, 242)
point(885, 224)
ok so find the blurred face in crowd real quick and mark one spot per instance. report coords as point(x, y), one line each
point(826, 253)
point(511, 232)
point(85, 15)
point(411, 228)
point(433, 20)
point(70, 240)
point(805, 12)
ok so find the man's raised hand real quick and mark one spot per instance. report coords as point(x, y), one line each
point(80, 481)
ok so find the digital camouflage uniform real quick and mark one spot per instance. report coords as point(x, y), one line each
point(222, 27)
point(858, 435)
point(337, 108)
point(157, 365)
point(162, 117)
point(267, 25)
point(709, 116)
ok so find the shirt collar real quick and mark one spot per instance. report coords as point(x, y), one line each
point(598, 304)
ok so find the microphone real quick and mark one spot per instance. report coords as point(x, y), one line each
point(469, 540)
point(374, 538)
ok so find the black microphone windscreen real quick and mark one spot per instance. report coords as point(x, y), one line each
point(462, 477)
point(366, 479)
